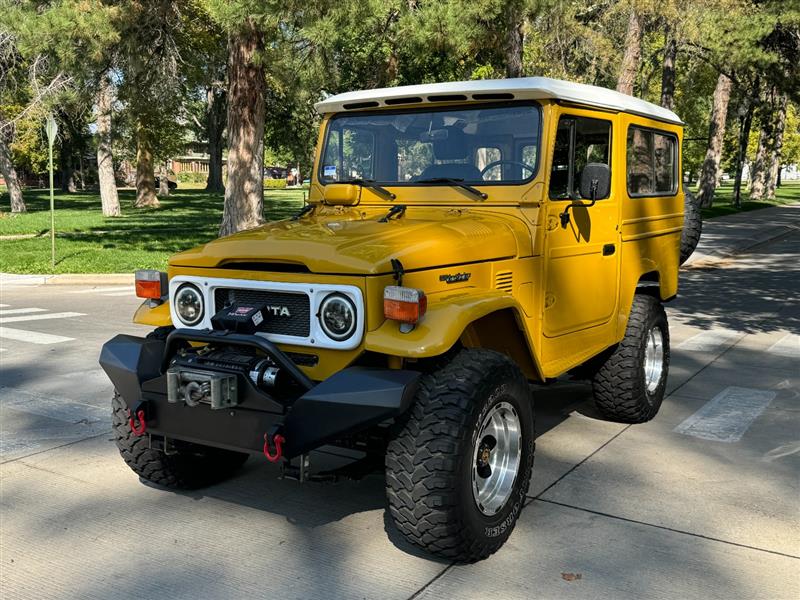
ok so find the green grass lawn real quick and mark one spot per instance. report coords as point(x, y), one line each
point(788, 193)
point(86, 242)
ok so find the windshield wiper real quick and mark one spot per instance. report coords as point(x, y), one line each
point(370, 183)
point(456, 182)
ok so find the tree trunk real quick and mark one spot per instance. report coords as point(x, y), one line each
point(10, 176)
point(244, 194)
point(758, 170)
point(514, 39)
point(105, 158)
point(145, 170)
point(163, 183)
point(744, 138)
point(777, 146)
point(216, 114)
point(668, 71)
point(67, 169)
point(716, 133)
point(633, 54)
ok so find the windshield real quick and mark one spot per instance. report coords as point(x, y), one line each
point(478, 145)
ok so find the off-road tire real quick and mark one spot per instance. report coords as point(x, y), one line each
point(194, 466)
point(692, 226)
point(619, 386)
point(429, 460)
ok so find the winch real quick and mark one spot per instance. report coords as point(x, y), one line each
point(211, 376)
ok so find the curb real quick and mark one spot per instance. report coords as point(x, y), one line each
point(68, 279)
point(719, 256)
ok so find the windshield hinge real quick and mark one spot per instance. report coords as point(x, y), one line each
point(304, 211)
point(396, 211)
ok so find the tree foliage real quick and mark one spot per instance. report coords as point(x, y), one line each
point(169, 64)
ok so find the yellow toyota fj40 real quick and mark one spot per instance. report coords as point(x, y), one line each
point(460, 241)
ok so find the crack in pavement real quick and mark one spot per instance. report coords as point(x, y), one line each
point(664, 527)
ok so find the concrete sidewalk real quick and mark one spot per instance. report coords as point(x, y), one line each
point(15, 279)
point(725, 237)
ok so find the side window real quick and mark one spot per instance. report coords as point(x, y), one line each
point(486, 156)
point(350, 153)
point(652, 163)
point(579, 141)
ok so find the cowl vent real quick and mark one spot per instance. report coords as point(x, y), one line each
point(504, 280)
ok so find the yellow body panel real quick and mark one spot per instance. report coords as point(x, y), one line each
point(550, 296)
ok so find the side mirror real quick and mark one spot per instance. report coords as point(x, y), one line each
point(595, 181)
point(342, 194)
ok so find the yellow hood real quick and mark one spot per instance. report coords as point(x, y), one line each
point(353, 241)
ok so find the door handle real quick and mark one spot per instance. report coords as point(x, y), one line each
point(609, 249)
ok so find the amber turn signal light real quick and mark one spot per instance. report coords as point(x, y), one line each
point(403, 304)
point(151, 284)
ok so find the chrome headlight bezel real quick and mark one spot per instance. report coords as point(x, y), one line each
point(348, 306)
point(176, 302)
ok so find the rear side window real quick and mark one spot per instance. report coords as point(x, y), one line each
point(651, 162)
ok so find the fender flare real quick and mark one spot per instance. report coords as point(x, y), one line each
point(441, 327)
point(157, 316)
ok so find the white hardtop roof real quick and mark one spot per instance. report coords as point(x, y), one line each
point(522, 88)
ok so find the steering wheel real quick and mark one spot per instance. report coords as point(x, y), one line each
point(494, 163)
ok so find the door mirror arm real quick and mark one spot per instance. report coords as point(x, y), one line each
point(595, 182)
point(565, 215)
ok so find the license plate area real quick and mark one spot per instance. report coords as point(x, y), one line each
point(192, 387)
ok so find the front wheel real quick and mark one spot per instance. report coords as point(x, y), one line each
point(459, 465)
point(629, 386)
point(191, 467)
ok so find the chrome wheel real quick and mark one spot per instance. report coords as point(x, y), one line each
point(653, 359)
point(496, 458)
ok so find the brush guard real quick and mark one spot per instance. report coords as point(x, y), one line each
point(350, 401)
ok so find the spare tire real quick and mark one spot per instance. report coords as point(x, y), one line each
point(692, 226)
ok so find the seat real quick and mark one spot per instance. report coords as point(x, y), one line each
point(453, 147)
point(465, 171)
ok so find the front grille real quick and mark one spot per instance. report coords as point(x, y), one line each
point(297, 324)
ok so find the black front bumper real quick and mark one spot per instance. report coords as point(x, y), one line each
point(346, 403)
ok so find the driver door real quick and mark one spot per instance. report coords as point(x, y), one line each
point(583, 253)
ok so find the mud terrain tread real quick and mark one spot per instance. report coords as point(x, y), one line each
point(618, 384)
point(421, 477)
point(692, 226)
point(171, 471)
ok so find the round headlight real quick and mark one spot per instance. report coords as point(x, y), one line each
point(189, 304)
point(337, 315)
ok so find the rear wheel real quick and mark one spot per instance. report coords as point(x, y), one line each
point(193, 465)
point(459, 465)
point(630, 384)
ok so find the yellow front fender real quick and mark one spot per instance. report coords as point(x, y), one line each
point(440, 328)
point(157, 316)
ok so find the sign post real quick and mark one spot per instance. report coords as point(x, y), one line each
point(52, 129)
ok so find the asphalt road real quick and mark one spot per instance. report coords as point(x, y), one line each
point(703, 502)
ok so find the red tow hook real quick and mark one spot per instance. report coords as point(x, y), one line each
point(142, 423)
point(278, 440)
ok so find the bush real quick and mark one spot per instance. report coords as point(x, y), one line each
point(190, 177)
point(275, 184)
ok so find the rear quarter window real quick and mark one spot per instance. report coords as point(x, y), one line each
point(652, 165)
